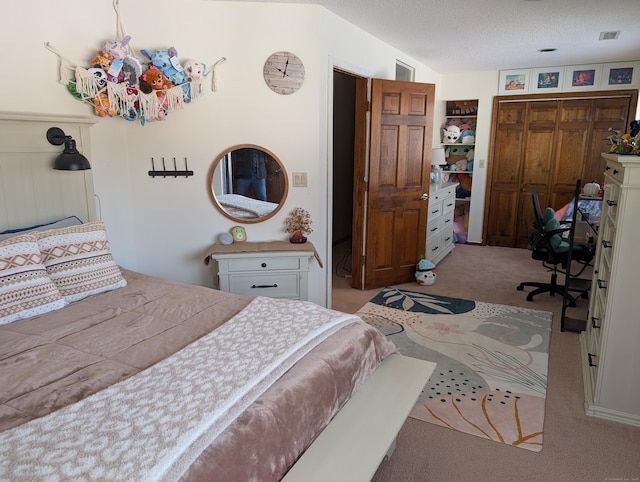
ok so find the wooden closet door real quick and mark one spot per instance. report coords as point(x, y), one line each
point(537, 169)
point(573, 131)
point(546, 144)
point(506, 170)
point(614, 113)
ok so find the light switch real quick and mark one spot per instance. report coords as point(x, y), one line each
point(299, 179)
point(481, 163)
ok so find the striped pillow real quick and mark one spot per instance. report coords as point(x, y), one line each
point(25, 288)
point(79, 261)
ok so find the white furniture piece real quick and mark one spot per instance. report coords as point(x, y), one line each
point(442, 203)
point(609, 344)
point(359, 437)
point(278, 269)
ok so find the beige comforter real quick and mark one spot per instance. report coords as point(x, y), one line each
point(50, 361)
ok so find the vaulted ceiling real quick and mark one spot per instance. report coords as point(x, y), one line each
point(466, 36)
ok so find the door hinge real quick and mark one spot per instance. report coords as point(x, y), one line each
point(366, 186)
point(363, 259)
point(368, 106)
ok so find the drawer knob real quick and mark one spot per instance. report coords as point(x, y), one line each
point(606, 244)
point(591, 364)
point(424, 197)
point(274, 285)
point(602, 284)
point(611, 202)
point(595, 320)
point(264, 265)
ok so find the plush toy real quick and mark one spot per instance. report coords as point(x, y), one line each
point(455, 153)
point(425, 272)
point(467, 136)
point(102, 107)
point(102, 60)
point(451, 135)
point(124, 67)
point(167, 62)
point(454, 122)
point(100, 75)
point(194, 69)
point(461, 165)
point(153, 79)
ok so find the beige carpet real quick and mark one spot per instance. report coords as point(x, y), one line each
point(576, 447)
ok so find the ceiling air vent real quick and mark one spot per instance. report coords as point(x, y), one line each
point(610, 35)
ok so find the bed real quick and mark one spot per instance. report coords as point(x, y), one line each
point(244, 207)
point(124, 376)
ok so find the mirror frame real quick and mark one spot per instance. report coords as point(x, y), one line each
point(221, 209)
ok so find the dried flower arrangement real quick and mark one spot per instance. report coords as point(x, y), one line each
point(624, 143)
point(298, 224)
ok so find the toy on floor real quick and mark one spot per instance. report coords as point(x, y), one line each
point(425, 272)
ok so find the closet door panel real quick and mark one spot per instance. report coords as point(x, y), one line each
point(606, 113)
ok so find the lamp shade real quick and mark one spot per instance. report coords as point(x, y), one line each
point(437, 156)
point(70, 159)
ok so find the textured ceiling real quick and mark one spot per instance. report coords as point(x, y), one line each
point(466, 36)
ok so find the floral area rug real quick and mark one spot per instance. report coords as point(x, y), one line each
point(492, 360)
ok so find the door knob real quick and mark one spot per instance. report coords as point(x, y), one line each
point(424, 197)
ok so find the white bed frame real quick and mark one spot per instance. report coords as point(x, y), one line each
point(358, 438)
point(363, 433)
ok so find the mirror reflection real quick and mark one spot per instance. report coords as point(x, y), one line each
point(248, 183)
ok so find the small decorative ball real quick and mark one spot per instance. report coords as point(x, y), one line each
point(225, 238)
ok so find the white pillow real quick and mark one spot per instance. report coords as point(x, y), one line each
point(79, 261)
point(25, 287)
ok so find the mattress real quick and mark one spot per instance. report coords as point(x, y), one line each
point(55, 360)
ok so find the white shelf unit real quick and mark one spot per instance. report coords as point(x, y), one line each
point(463, 112)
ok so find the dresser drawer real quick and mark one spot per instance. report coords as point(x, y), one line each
point(284, 285)
point(433, 226)
point(435, 208)
point(615, 170)
point(262, 264)
point(448, 205)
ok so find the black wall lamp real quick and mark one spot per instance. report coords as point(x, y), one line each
point(70, 159)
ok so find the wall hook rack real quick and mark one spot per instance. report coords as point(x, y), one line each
point(170, 173)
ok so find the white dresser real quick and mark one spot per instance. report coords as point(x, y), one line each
point(278, 269)
point(442, 203)
point(611, 342)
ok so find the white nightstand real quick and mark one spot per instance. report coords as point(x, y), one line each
point(278, 269)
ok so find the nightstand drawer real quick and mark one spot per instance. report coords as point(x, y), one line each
point(283, 285)
point(267, 264)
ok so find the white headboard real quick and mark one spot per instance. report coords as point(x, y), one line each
point(31, 192)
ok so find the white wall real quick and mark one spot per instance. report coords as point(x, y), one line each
point(164, 226)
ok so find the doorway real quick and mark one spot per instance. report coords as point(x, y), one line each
point(344, 135)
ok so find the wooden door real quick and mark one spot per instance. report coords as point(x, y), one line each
point(510, 122)
point(546, 144)
point(398, 180)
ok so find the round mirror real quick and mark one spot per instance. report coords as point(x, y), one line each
point(248, 183)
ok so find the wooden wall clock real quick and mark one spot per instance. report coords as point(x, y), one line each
point(284, 72)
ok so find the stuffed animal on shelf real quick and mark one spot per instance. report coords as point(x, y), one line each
point(451, 134)
point(425, 272)
point(467, 136)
